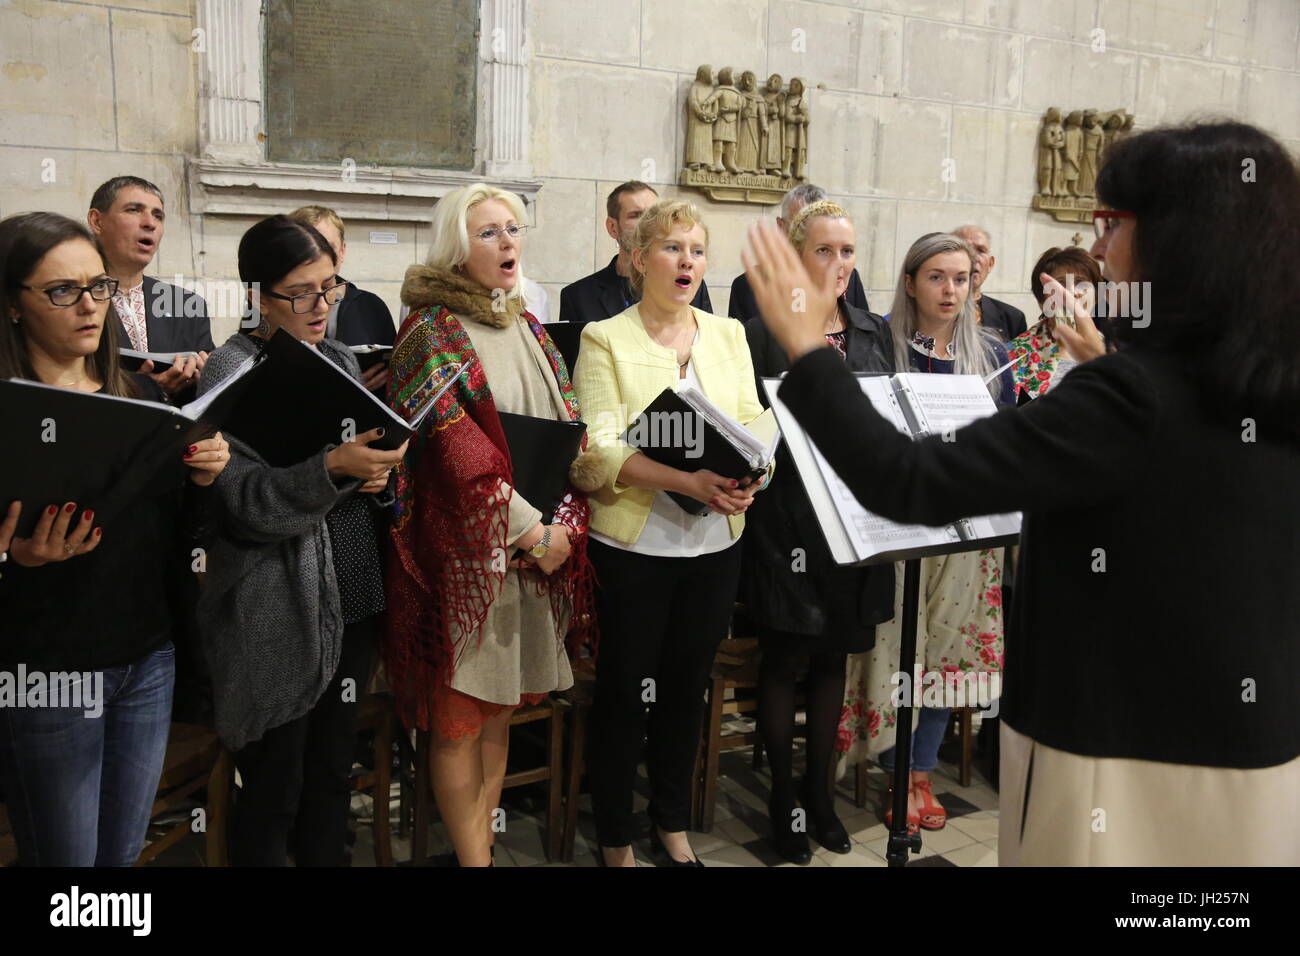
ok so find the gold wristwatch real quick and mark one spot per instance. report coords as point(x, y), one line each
point(541, 547)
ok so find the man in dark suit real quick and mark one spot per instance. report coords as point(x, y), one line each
point(606, 293)
point(742, 305)
point(360, 317)
point(127, 216)
point(995, 315)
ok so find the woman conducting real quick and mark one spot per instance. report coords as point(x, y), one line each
point(1181, 445)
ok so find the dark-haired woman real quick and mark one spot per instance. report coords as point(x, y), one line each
point(1042, 359)
point(290, 610)
point(98, 606)
point(1184, 439)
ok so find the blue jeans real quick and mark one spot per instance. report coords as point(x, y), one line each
point(80, 787)
point(926, 739)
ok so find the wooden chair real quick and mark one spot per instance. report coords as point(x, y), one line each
point(552, 773)
point(580, 697)
point(8, 848)
point(377, 715)
point(735, 666)
point(962, 715)
point(194, 760)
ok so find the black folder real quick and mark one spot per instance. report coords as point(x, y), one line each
point(99, 450)
point(714, 453)
point(131, 360)
point(368, 356)
point(307, 402)
point(541, 451)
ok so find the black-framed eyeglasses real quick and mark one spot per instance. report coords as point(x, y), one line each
point(101, 290)
point(1104, 220)
point(305, 302)
point(493, 234)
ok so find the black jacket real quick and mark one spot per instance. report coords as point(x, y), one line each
point(364, 319)
point(602, 295)
point(781, 519)
point(1002, 318)
point(1159, 556)
point(176, 319)
point(743, 306)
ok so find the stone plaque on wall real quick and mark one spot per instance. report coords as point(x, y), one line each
point(388, 85)
point(746, 141)
point(1071, 147)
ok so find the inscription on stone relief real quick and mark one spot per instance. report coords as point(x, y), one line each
point(1070, 151)
point(743, 143)
point(392, 86)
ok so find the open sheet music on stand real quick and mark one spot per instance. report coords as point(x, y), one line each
point(918, 404)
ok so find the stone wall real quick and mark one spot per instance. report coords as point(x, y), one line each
point(899, 87)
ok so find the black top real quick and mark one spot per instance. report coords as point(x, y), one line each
point(818, 596)
point(175, 318)
point(1156, 600)
point(743, 306)
point(1001, 318)
point(605, 294)
point(364, 319)
point(112, 606)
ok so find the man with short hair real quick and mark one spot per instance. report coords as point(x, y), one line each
point(995, 315)
point(608, 292)
point(127, 216)
point(360, 317)
point(742, 305)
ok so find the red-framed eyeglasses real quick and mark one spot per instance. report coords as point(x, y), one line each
point(1104, 220)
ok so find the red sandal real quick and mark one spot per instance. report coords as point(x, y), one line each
point(913, 819)
point(932, 815)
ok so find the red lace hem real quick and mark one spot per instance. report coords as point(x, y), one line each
point(454, 714)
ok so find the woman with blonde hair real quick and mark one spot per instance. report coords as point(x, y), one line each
point(667, 578)
point(481, 592)
point(959, 629)
point(813, 610)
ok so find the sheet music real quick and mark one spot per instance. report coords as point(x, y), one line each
point(944, 403)
point(869, 533)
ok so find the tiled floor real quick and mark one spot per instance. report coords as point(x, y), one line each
point(737, 837)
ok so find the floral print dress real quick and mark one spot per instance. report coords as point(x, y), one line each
point(958, 632)
point(1043, 362)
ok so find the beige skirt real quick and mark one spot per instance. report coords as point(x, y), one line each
point(1102, 811)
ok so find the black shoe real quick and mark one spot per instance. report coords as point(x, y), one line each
point(657, 844)
point(827, 829)
point(788, 843)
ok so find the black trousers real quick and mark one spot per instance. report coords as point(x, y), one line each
point(296, 775)
point(661, 621)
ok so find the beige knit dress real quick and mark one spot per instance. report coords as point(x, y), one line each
point(519, 651)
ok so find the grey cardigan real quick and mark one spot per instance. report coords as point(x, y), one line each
point(269, 616)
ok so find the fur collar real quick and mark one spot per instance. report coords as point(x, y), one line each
point(426, 286)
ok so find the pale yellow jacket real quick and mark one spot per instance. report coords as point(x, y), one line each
point(620, 370)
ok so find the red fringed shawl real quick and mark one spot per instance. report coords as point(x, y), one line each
point(448, 556)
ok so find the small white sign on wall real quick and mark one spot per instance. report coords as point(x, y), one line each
point(383, 238)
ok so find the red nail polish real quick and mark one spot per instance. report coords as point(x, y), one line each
point(87, 515)
point(72, 506)
point(187, 457)
point(98, 532)
point(193, 449)
point(54, 509)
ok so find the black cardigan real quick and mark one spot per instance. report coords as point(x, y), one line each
point(1185, 648)
point(782, 519)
